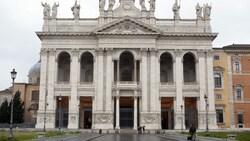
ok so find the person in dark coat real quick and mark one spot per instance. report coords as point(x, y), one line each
point(192, 131)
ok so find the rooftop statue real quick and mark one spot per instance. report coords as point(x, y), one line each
point(207, 11)
point(152, 5)
point(102, 4)
point(46, 10)
point(142, 3)
point(76, 10)
point(111, 4)
point(176, 10)
point(54, 10)
point(198, 11)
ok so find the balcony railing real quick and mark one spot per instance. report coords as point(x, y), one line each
point(190, 83)
point(167, 83)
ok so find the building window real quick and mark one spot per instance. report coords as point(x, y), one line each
point(218, 97)
point(237, 66)
point(35, 95)
point(217, 81)
point(216, 57)
point(238, 94)
point(219, 116)
point(240, 120)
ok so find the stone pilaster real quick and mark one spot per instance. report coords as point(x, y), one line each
point(203, 90)
point(43, 89)
point(153, 85)
point(73, 104)
point(108, 106)
point(135, 111)
point(144, 79)
point(100, 76)
point(117, 125)
point(51, 87)
point(210, 91)
point(230, 92)
point(179, 83)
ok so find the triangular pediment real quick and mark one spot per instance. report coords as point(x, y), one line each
point(126, 26)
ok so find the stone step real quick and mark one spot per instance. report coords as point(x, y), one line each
point(128, 131)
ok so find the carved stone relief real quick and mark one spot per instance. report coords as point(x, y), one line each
point(103, 118)
point(149, 118)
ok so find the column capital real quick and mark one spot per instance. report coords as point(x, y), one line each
point(52, 51)
point(99, 51)
point(178, 52)
point(44, 51)
point(201, 52)
point(153, 51)
point(75, 52)
point(144, 51)
point(109, 51)
point(209, 52)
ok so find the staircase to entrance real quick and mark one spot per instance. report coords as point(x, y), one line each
point(128, 131)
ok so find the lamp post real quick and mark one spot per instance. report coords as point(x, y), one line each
point(206, 100)
point(59, 113)
point(182, 118)
point(13, 76)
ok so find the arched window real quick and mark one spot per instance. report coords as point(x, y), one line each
point(87, 67)
point(166, 68)
point(189, 68)
point(126, 66)
point(64, 67)
point(217, 81)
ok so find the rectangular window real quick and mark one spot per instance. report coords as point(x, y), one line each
point(35, 95)
point(240, 118)
point(238, 94)
point(218, 97)
point(216, 57)
point(217, 82)
point(236, 66)
point(219, 116)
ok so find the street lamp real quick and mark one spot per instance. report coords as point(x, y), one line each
point(13, 76)
point(206, 98)
point(182, 118)
point(59, 116)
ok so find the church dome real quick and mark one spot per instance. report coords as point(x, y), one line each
point(34, 73)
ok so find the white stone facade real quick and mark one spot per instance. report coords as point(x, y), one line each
point(127, 47)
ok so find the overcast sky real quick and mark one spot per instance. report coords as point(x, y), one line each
point(20, 19)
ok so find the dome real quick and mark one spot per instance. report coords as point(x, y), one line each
point(34, 73)
point(35, 69)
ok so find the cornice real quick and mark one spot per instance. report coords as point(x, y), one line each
point(212, 36)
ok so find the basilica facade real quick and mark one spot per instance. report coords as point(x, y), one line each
point(126, 69)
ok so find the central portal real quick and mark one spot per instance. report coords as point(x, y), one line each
point(126, 112)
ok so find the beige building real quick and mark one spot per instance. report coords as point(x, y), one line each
point(223, 89)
